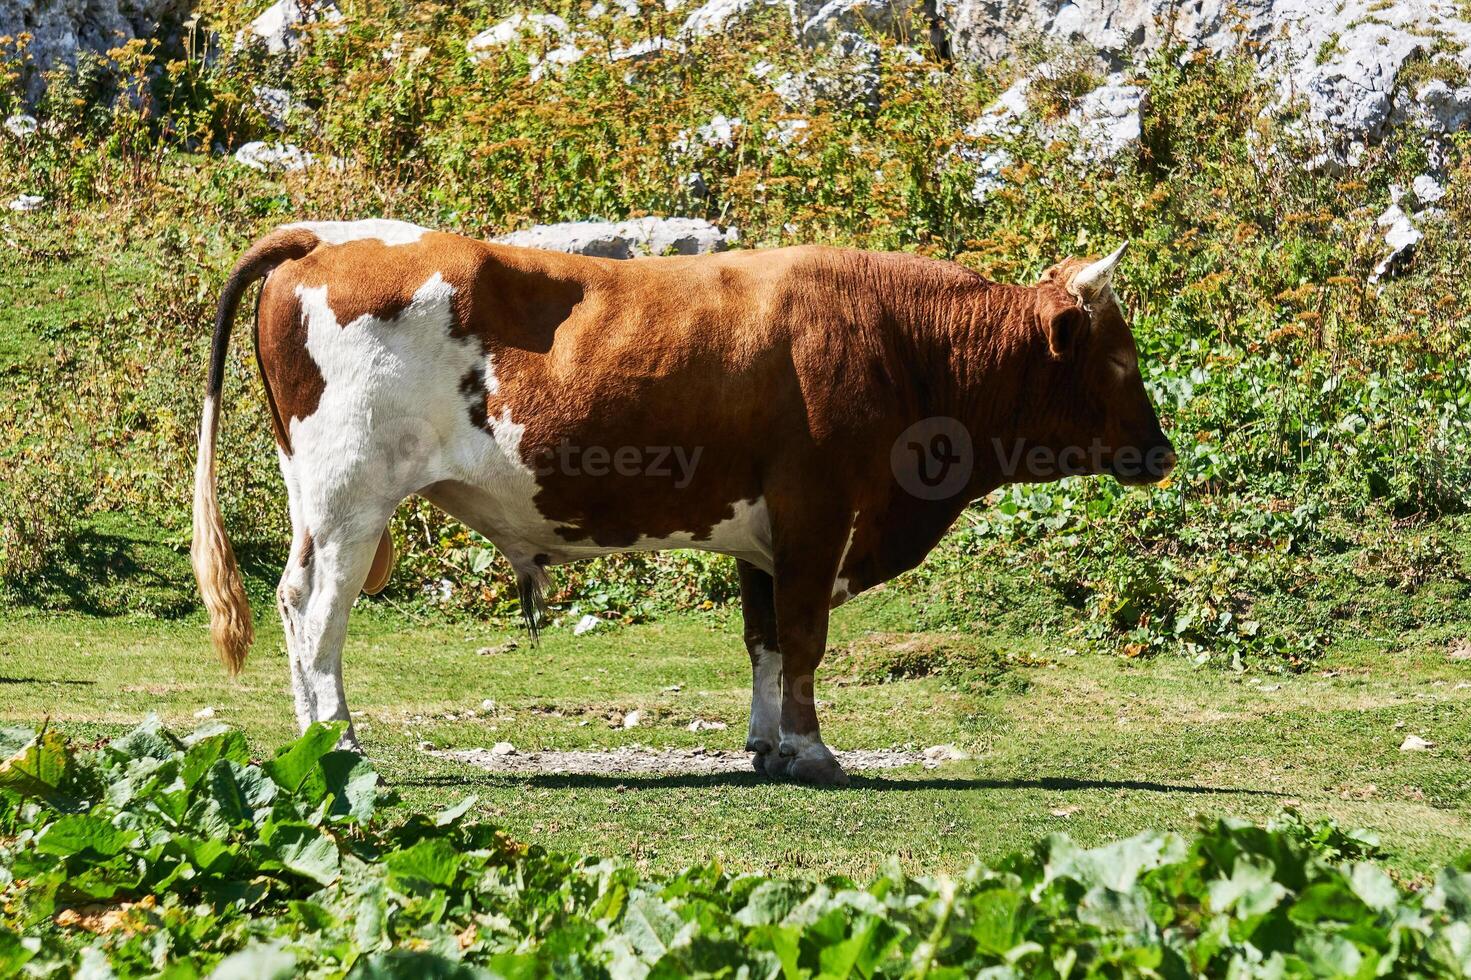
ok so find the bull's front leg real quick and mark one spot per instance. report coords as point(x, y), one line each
point(805, 566)
point(758, 608)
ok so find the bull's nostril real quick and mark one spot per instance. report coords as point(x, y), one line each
point(1167, 464)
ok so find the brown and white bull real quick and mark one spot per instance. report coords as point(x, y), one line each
point(821, 415)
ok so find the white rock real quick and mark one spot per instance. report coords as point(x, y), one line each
point(503, 748)
point(1427, 190)
point(555, 60)
point(518, 27)
point(205, 713)
point(26, 202)
point(646, 48)
point(488, 705)
point(259, 155)
point(847, 73)
point(626, 239)
point(789, 131)
point(899, 18)
point(586, 624)
point(701, 725)
point(1414, 743)
point(945, 753)
point(277, 26)
point(633, 719)
point(1108, 119)
point(713, 17)
point(275, 105)
point(1343, 61)
point(717, 134)
point(21, 125)
point(1103, 125)
point(1402, 237)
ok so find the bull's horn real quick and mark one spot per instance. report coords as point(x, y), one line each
point(1091, 280)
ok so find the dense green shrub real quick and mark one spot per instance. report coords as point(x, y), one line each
point(158, 855)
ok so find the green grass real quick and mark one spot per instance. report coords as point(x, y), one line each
point(57, 283)
point(1095, 745)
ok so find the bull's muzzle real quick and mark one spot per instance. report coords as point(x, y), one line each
point(1150, 465)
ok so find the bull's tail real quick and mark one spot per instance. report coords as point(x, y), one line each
point(230, 626)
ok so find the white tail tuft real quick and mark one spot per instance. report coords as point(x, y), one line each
point(230, 626)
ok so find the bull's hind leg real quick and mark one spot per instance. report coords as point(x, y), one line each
point(758, 607)
point(337, 535)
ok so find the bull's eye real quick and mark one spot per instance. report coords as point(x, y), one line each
point(1123, 367)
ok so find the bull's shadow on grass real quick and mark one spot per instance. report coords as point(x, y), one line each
point(113, 566)
point(885, 784)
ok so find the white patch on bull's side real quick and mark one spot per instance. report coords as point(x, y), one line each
point(745, 534)
point(390, 405)
point(391, 418)
point(765, 723)
point(385, 230)
point(840, 581)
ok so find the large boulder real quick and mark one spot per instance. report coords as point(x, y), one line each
point(61, 29)
point(1355, 67)
point(1102, 125)
point(626, 239)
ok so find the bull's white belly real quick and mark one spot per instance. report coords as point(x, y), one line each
point(524, 535)
point(392, 421)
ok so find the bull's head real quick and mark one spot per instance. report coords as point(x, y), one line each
point(1099, 404)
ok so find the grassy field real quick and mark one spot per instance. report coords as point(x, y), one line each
point(1095, 745)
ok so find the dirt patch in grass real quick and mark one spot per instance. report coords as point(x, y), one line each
point(634, 760)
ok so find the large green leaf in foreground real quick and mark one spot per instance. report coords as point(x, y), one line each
point(158, 854)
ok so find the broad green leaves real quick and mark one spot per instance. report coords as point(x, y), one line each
point(296, 762)
point(82, 834)
point(236, 870)
point(36, 767)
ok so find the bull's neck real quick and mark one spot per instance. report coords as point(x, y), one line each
point(980, 355)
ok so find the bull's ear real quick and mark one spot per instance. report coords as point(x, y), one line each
point(1064, 324)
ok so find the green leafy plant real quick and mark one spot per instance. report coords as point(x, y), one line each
point(155, 853)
